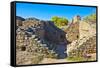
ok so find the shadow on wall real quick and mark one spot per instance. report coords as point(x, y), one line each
point(57, 38)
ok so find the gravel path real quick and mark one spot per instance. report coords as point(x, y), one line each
point(49, 60)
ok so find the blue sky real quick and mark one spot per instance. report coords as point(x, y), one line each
point(45, 12)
